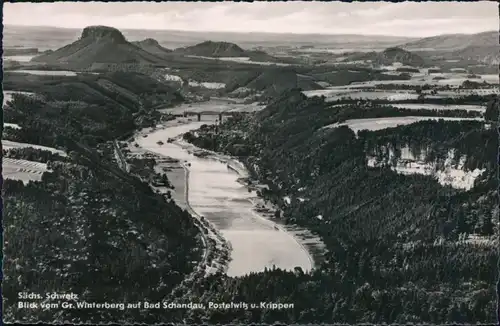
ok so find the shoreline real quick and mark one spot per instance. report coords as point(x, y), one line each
point(241, 170)
point(266, 220)
point(212, 239)
point(214, 234)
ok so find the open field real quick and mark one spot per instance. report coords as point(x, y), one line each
point(384, 123)
point(7, 144)
point(22, 170)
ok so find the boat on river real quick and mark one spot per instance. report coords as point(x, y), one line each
point(201, 153)
point(231, 168)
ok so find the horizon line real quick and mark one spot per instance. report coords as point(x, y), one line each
point(252, 32)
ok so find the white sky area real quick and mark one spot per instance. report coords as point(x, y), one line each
point(412, 19)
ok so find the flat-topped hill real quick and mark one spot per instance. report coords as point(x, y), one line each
point(213, 49)
point(152, 46)
point(98, 44)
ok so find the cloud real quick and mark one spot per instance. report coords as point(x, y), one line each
point(404, 19)
point(376, 12)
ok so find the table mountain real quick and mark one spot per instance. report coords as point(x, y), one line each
point(99, 44)
point(213, 49)
point(152, 46)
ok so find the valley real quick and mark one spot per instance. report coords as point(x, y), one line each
point(353, 176)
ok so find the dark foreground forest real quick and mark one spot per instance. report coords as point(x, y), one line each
point(88, 227)
point(397, 245)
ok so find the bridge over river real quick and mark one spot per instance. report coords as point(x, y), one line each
point(218, 108)
point(211, 114)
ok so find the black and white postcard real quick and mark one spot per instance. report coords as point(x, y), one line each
point(250, 162)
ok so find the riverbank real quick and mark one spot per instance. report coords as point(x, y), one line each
point(222, 249)
point(224, 199)
point(309, 243)
point(216, 254)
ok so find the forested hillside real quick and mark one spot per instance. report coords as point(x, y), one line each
point(90, 108)
point(213, 49)
point(152, 46)
point(390, 56)
point(88, 227)
point(97, 45)
point(474, 48)
point(391, 238)
point(112, 239)
point(392, 225)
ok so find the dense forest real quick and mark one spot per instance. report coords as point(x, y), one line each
point(88, 108)
point(87, 227)
point(399, 246)
point(470, 99)
point(32, 154)
point(84, 230)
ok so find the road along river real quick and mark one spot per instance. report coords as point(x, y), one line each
point(215, 193)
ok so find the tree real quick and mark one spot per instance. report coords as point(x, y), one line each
point(492, 112)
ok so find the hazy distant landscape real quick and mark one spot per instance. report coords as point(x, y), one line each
point(350, 177)
point(13, 35)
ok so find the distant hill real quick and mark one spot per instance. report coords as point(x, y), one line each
point(395, 54)
point(44, 37)
point(19, 51)
point(389, 56)
point(280, 80)
point(152, 46)
point(453, 41)
point(486, 54)
point(98, 44)
point(273, 81)
point(121, 89)
point(213, 49)
point(225, 50)
point(481, 47)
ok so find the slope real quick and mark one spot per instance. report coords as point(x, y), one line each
point(272, 81)
point(380, 228)
point(488, 54)
point(152, 46)
point(481, 47)
point(213, 49)
point(454, 41)
point(389, 56)
point(98, 44)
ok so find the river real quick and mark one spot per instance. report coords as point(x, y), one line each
point(215, 193)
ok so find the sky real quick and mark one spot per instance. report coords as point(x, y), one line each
point(412, 19)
